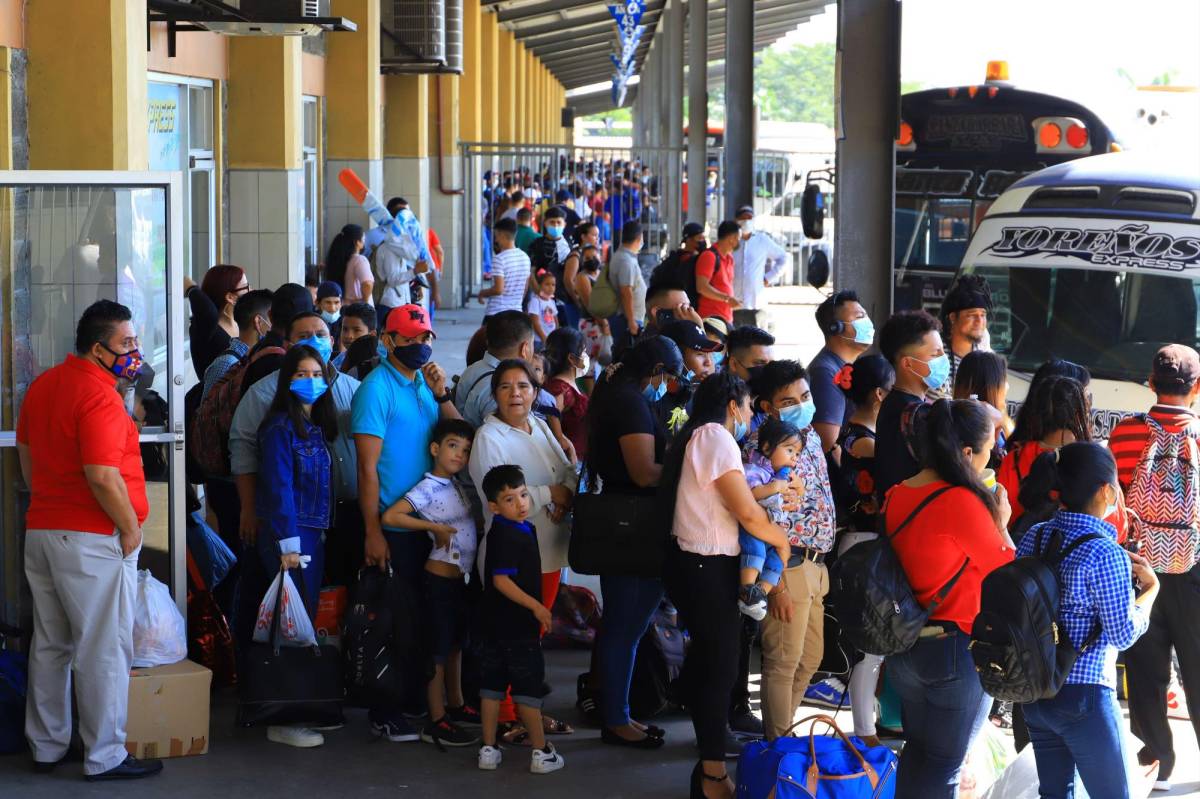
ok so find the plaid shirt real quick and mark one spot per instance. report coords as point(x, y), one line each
point(1096, 583)
point(221, 365)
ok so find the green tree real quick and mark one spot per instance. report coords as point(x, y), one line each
point(796, 84)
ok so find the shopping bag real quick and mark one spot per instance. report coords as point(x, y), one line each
point(816, 767)
point(159, 631)
point(295, 628)
point(210, 642)
point(213, 556)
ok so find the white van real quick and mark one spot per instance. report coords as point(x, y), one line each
point(1096, 261)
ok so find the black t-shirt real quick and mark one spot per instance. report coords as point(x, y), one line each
point(894, 448)
point(512, 550)
point(621, 411)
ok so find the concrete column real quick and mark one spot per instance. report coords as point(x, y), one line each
point(266, 181)
point(470, 109)
point(406, 141)
point(506, 88)
point(867, 94)
point(697, 157)
point(353, 100)
point(490, 78)
point(674, 163)
point(739, 104)
point(445, 214)
point(86, 81)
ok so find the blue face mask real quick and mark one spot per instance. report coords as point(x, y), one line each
point(655, 393)
point(554, 231)
point(864, 331)
point(800, 415)
point(717, 358)
point(331, 316)
point(309, 389)
point(322, 344)
point(689, 376)
point(939, 371)
point(740, 429)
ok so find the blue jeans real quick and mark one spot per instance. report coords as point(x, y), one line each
point(757, 555)
point(1079, 729)
point(629, 604)
point(944, 707)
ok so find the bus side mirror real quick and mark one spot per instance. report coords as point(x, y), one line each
point(817, 272)
point(812, 212)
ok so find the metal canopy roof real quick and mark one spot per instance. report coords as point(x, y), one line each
point(574, 38)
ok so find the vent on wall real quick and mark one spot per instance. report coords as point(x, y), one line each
point(421, 36)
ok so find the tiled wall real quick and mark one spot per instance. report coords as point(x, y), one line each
point(266, 225)
point(408, 178)
point(340, 208)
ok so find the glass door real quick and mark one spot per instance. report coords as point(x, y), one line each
point(68, 239)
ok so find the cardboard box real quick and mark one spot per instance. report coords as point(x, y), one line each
point(168, 711)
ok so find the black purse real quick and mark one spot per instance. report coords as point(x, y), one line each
point(617, 534)
point(289, 684)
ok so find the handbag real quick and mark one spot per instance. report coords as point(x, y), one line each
point(288, 684)
point(210, 643)
point(816, 767)
point(617, 534)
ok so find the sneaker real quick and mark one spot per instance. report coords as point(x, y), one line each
point(830, 692)
point(752, 601)
point(543, 761)
point(396, 730)
point(1161, 785)
point(744, 722)
point(733, 745)
point(328, 727)
point(299, 737)
point(447, 733)
point(490, 757)
point(464, 716)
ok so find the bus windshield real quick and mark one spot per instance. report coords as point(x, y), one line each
point(1113, 322)
point(934, 231)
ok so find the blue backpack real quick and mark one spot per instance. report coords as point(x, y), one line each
point(816, 767)
point(14, 677)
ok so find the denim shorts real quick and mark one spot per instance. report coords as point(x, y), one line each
point(757, 555)
point(518, 664)
point(446, 599)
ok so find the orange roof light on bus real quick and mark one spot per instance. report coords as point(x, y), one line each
point(1050, 135)
point(1077, 136)
point(906, 135)
point(997, 70)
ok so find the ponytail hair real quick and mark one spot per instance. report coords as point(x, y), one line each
point(1071, 475)
point(951, 425)
point(341, 250)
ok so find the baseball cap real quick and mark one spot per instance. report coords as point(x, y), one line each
point(1176, 367)
point(745, 210)
point(692, 229)
point(409, 321)
point(562, 196)
point(687, 335)
point(717, 326)
point(659, 349)
point(328, 289)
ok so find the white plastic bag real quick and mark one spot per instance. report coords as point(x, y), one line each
point(159, 631)
point(1020, 779)
point(295, 628)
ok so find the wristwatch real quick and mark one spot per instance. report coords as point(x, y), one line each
point(447, 397)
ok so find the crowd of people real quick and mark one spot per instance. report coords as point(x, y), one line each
point(339, 443)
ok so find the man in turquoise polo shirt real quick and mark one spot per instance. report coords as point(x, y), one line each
point(393, 413)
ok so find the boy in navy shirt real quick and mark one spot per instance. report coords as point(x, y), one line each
point(513, 619)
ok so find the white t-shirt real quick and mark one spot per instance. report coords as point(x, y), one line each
point(545, 310)
point(441, 500)
point(513, 264)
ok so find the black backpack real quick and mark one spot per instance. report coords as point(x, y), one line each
point(381, 641)
point(659, 660)
point(1020, 651)
point(872, 597)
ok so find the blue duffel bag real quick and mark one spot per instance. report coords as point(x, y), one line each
point(816, 767)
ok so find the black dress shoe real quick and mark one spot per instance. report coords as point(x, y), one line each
point(743, 721)
point(649, 742)
point(40, 767)
point(130, 769)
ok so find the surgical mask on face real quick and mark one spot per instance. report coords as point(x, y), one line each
point(125, 364)
point(939, 371)
point(322, 344)
point(740, 429)
point(331, 316)
point(689, 376)
point(586, 367)
point(717, 358)
point(554, 231)
point(800, 415)
point(1110, 509)
point(413, 356)
point(655, 393)
point(747, 225)
point(864, 331)
point(591, 265)
point(309, 389)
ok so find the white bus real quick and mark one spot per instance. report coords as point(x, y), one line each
point(1096, 261)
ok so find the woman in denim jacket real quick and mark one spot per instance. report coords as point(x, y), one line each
point(294, 498)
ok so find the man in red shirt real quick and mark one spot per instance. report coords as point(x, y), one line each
point(81, 459)
point(714, 274)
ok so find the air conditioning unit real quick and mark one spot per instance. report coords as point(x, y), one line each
point(272, 18)
point(421, 36)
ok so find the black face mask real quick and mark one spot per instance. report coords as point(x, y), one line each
point(664, 317)
point(755, 371)
point(413, 356)
point(591, 265)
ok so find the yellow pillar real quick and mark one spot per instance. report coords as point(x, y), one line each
point(352, 94)
point(490, 78)
point(530, 65)
point(470, 85)
point(520, 96)
point(535, 88)
point(405, 133)
point(264, 102)
point(86, 82)
point(506, 88)
point(544, 104)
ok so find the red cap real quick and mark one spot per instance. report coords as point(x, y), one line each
point(409, 321)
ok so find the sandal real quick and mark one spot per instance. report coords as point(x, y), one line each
point(516, 735)
point(556, 726)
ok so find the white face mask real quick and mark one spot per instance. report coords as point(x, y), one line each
point(586, 369)
point(747, 225)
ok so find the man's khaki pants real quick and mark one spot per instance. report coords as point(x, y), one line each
point(792, 651)
point(84, 591)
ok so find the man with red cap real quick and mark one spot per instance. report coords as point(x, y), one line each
point(393, 415)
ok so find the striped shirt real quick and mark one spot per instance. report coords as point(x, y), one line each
point(1130, 436)
point(514, 266)
point(1095, 585)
